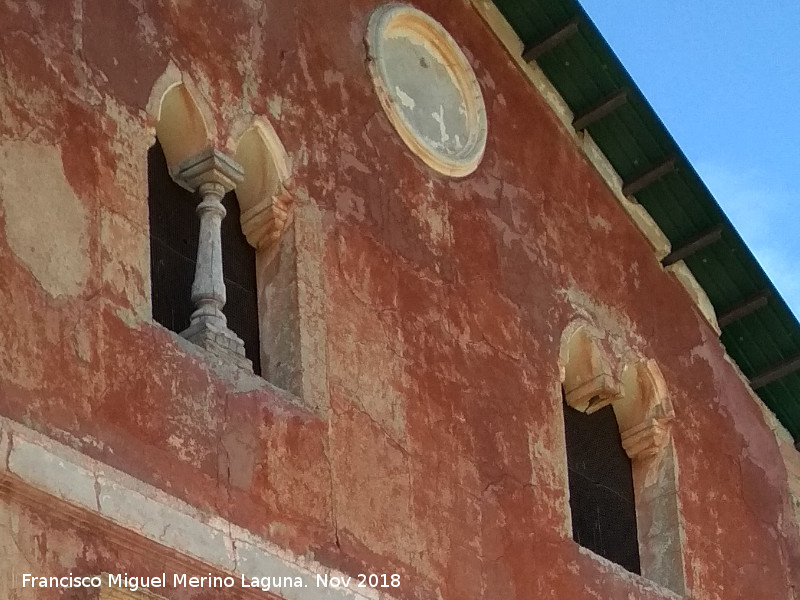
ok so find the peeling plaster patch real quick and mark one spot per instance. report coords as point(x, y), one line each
point(275, 107)
point(545, 452)
point(349, 161)
point(12, 6)
point(406, 100)
point(620, 330)
point(148, 30)
point(45, 222)
point(125, 261)
point(82, 341)
point(333, 78)
point(130, 142)
point(36, 10)
point(433, 218)
point(374, 380)
point(186, 450)
point(14, 561)
point(310, 79)
point(599, 223)
point(348, 204)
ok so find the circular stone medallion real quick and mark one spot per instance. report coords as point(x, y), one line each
point(427, 88)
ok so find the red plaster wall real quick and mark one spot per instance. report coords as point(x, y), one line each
point(461, 287)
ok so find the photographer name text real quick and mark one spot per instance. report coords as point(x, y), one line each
point(183, 580)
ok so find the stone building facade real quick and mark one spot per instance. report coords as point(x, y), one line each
point(423, 308)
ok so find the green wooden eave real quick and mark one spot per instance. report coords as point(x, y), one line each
point(585, 71)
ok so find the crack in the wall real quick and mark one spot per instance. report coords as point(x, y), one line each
point(9, 449)
point(505, 476)
point(97, 490)
point(359, 407)
point(234, 549)
point(332, 479)
point(164, 531)
point(224, 454)
point(14, 536)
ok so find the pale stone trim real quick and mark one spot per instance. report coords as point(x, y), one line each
point(620, 573)
point(594, 394)
point(89, 491)
point(647, 439)
point(508, 37)
point(266, 203)
point(264, 224)
point(312, 302)
point(181, 127)
point(696, 292)
point(393, 17)
point(588, 379)
point(169, 79)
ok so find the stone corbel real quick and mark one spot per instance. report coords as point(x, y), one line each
point(264, 224)
point(590, 396)
point(646, 439)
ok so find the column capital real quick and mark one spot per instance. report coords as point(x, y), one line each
point(594, 394)
point(211, 166)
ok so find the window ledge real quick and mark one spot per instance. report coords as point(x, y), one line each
point(237, 379)
point(640, 581)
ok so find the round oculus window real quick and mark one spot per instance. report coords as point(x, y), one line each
point(427, 88)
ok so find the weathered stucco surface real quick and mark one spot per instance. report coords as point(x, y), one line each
point(428, 440)
point(45, 222)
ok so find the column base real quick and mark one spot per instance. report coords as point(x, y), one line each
point(219, 341)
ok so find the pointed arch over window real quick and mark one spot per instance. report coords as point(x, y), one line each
point(266, 220)
point(621, 468)
point(175, 233)
point(601, 492)
point(250, 271)
point(180, 127)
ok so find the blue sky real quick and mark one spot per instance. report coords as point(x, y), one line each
point(724, 76)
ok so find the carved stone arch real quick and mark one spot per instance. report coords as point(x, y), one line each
point(180, 126)
point(268, 222)
point(643, 409)
point(188, 296)
point(644, 414)
point(263, 197)
point(587, 372)
point(180, 115)
point(637, 391)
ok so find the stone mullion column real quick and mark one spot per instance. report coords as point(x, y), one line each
point(208, 288)
point(212, 174)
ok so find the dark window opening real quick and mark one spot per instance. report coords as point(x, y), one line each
point(239, 269)
point(601, 496)
point(174, 232)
